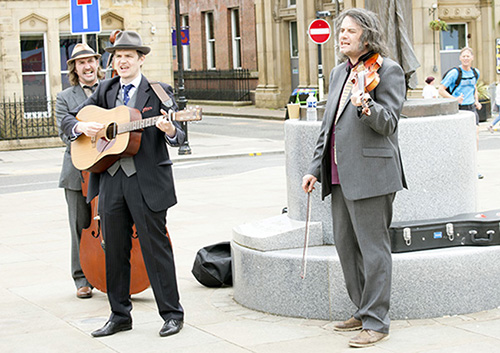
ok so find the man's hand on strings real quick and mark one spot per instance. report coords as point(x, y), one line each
point(90, 128)
point(165, 125)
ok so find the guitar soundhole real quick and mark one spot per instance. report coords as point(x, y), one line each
point(111, 130)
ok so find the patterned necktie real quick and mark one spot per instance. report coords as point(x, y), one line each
point(343, 98)
point(126, 90)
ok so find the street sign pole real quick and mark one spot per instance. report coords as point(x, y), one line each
point(321, 78)
point(182, 101)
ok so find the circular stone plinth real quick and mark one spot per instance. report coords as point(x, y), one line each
point(415, 108)
point(425, 284)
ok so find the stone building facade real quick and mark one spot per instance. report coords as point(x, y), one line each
point(268, 37)
point(221, 34)
point(286, 62)
point(36, 40)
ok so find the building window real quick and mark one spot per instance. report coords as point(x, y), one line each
point(186, 49)
point(451, 42)
point(455, 37)
point(98, 43)
point(68, 41)
point(35, 75)
point(66, 44)
point(210, 40)
point(236, 39)
point(292, 3)
point(294, 41)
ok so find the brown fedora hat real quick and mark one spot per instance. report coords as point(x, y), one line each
point(82, 50)
point(128, 40)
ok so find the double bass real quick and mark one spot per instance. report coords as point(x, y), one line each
point(92, 252)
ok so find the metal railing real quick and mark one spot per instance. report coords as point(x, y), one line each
point(28, 118)
point(221, 85)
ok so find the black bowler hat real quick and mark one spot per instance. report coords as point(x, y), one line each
point(128, 40)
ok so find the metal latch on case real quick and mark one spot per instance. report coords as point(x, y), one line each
point(450, 231)
point(407, 236)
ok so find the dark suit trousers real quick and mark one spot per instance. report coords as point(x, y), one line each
point(361, 234)
point(79, 218)
point(120, 206)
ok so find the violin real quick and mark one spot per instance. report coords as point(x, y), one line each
point(367, 78)
point(92, 256)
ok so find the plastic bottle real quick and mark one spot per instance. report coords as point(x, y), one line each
point(312, 103)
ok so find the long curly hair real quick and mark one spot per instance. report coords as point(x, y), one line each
point(73, 76)
point(372, 34)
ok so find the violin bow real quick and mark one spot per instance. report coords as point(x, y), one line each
point(306, 238)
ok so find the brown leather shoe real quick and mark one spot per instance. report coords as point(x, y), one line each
point(367, 338)
point(349, 325)
point(84, 292)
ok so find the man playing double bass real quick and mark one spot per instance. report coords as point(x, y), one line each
point(357, 161)
point(83, 74)
point(135, 190)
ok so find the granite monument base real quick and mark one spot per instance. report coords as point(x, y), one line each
point(425, 284)
point(438, 146)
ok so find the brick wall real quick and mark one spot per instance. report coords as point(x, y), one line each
point(222, 28)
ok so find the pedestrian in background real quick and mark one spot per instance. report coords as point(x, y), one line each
point(429, 90)
point(497, 109)
point(460, 83)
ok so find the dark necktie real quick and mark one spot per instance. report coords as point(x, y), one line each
point(89, 89)
point(126, 90)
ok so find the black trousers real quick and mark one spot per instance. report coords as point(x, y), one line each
point(121, 204)
point(472, 108)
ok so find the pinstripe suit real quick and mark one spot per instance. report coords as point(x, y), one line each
point(71, 180)
point(143, 199)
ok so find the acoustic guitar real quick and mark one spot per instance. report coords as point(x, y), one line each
point(120, 137)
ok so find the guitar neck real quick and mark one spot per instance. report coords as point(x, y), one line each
point(137, 124)
point(191, 114)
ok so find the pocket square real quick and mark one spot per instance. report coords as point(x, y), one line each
point(145, 109)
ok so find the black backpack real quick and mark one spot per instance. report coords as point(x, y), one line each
point(449, 89)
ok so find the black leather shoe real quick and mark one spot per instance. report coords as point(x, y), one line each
point(171, 327)
point(110, 328)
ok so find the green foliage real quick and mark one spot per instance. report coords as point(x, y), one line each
point(438, 25)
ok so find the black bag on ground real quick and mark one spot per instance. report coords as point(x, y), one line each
point(212, 265)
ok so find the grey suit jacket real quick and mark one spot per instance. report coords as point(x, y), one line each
point(67, 101)
point(368, 156)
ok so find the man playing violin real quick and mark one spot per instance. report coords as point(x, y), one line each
point(135, 190)
point(357, 160)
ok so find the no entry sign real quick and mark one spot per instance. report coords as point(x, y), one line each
point(319, 31)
